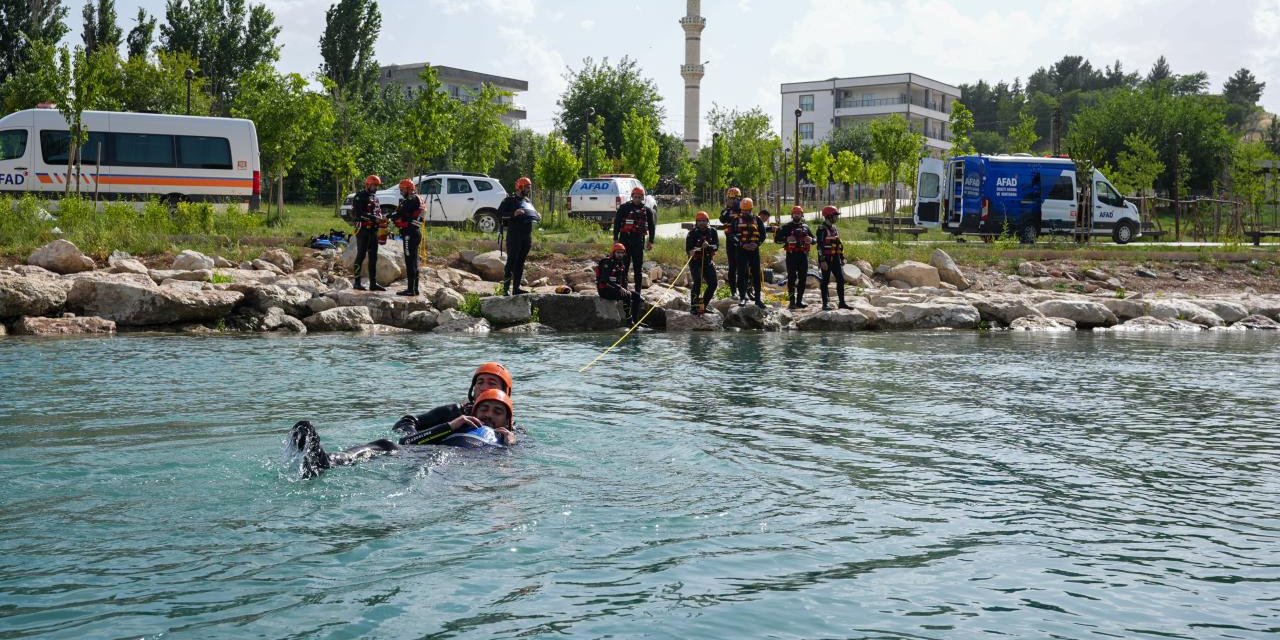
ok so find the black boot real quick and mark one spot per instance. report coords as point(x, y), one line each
point(358, 286)
point(304, 438)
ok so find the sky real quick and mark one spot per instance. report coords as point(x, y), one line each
point(755, 45)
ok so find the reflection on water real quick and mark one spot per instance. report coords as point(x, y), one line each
point(739, 485)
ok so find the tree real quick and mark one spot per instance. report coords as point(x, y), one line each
point(25, 22)
point(1138, 166)
point(100, 27)
point(1272, 136)
point(159, 86)
point(428, 122)
point(686, 175)
point(36, 79)
point(640, 148)
point(819, 169)
point(526, 146)
point(556, 167)
point(961, 129)
point(671, 151)
point(350, 31)
point(1160, 71)
point(1023, 135)
point(141, 36)
point(852, 137)
point(480, 137)
point(1086, 151)
point(847, 168)
point(596, 158)
point(613, 91)
point(750, 145)
point(896, 144)
point(1247, 181)
point(226, 37)
point(1242, 92)
point(83, 77)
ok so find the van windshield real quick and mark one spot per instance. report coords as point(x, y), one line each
point(13, 144)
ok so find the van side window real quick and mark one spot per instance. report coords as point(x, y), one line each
point(13, 144)
point(929, 184)
point(201, 152)
point(484, 185)
point(459, 185)
point(1107, 195)
point(141, 150)
point(53, 147)
point(1063, 189)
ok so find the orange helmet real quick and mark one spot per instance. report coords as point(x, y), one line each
point(494, 369)
point(637, 191)
point(797, 209)
point(618, 246)
point(499, 396)
point(830, 212)
point(407, 185)
point(523, 183)
point(702, 215)
point(372, 181)
point(747, 204)
point(733, 192)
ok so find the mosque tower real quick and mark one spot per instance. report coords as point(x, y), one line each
point(692, 70)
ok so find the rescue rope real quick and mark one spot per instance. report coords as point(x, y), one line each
point(638, 322)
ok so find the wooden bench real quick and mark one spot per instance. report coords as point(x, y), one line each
point(882, 225)
point(1257, 236)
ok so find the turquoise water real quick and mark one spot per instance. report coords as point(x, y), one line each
point(707, 486)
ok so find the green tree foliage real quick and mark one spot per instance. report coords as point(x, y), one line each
point(83, 76)
point(227, 37)
point(991, 143)
point(480, 137)
point(1247, 182)
point(671, 152)
point(613, 91)
point(36, 79)
point(896, 145)
point(1023, 136)
point(24, 23)
point(854, 137)
point(142, 35)
point(640, 148)
point(819, 169)
point(428, 122)
point(1272, 135)
point(100, 26)
point(961, 129)
point(1160, 71)
point(1138, 166)
point(848, 167)
point(686, 174)
point(1242, 92)
point(159, 86)
point(351, 29)
point(596, 158)
point(712, 168)
point(750, 144)
point(556, 167)
point(526, 146)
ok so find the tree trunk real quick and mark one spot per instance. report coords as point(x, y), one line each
point(280, 199)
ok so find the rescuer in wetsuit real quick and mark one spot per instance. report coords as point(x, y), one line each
point(830, 256)
point(368, 216)
point(748, 230)
point(611, 281)
point(701, 245)
point(408, 218)
point(732, 208)
point(796, 239)
point(517, 216)
point(631, 224)
point(490, 375)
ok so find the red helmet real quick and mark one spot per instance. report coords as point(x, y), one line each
point(747, 204)
point(702, 215)
point(499, 396)
point(407, 185)
point(638, 191)
point(494, 369)
point(733, 192)
point(797, 209)
point(830, 211)
point(523, 183)
point(618, 246)
point(372, 181)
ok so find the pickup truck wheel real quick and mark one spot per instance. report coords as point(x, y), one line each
point(1123, 233)
point(487, 222)
point(1027, 233)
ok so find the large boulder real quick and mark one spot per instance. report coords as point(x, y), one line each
point(134, 300)
point(1174, 308)
point(1003, 308)
point(852, 274)
point(490, 265)
point(199, 275)
point(1150, 323)
point(31, 295)
point(390, 262)
point(1230, 312)
point(573, 312)
point(293, 300)
point(947, 270)
point(916, 274)
point(749, 316)
point(685, 321)
point(930, 315)
point(385, 307)
point(507, 310)
point(446, 298)
point(339, 319)
point(454, 321)
point(273, 319)
point(30, 326)
point(190, 260)
point(835, 320)
point(61, 256)
point(421, 320)
point(121, 262)
point(1085, 313)
point(1262, 323)
point(1042, 323)
point(282, 259)
point(1261, 306)
point(1127, 308)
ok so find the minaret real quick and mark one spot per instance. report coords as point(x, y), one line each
point(692, 70)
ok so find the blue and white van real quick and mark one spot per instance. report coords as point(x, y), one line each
point(597, 199)
point(1019, 194)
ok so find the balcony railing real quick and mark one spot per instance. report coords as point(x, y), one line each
point(854, 103)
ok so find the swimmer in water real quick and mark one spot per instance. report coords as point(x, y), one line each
point(490, 375)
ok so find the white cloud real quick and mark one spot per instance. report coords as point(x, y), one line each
point(587, 25)
point(530, 57)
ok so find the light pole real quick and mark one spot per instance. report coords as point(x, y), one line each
point(189, 75)
point(1177, 208)
point(782, 174)
point(798, 112)
point(591, 112)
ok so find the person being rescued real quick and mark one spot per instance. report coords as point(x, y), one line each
point(490, 375)
point(611, 281)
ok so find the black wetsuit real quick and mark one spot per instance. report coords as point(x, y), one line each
point(727, 216)
point(631, 224)
point(748, 229)
point(795, 239)
point(519, 230)
point(702, 266)
point(611, 282)
point(830, 262)
point(408, 218)
point(367, 212)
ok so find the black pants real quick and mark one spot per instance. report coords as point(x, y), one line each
point(518, 243)
point(731, 255)
point(797, 275)
point(614, 294)
point(703, 271)
point(367, 245)
point(635, 253)
point(828, 269)
point(412, 237)
point(749, 275)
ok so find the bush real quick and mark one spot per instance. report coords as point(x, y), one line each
point(193, 218)
point(21, 229)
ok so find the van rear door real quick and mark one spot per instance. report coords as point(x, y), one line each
point(929, 193)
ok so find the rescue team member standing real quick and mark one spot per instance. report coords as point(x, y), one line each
point(518, 217)
point(796, 239)
point(368, 215)
point(701, 245)
point(732, 208)
point(611, 281)
point(631, 224)
point(830, 256)
point(748, 230)
point(408, 218)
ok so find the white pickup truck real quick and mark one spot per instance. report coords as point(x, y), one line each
point(450, 198)
point(598, 199)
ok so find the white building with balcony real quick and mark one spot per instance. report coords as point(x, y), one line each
point(460, 84)
point(826, 105)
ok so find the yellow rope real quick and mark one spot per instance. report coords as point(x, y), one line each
point(642, 319)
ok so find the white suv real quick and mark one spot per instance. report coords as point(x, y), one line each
point(598, 199)
point(450, 198)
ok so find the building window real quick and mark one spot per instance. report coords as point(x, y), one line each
point(806, 130)
point(806, 103)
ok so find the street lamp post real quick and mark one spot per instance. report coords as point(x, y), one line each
point(591, 112)
point(189, 75)
point(798, 112)
point(781, 174)
point(1177, 205)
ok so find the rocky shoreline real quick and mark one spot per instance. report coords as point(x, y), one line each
point(63, 292)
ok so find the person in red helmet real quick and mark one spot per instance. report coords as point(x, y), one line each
point(631, 224)
point(490, 375)
point(611, 281)
point(796, 239)
point(749, 231)
point(408, 218)
point(830, 256)
point(732, 209)
point(701, 245)
point(517, 216)
point(368, 216)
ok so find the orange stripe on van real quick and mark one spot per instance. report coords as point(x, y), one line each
point(234, 183)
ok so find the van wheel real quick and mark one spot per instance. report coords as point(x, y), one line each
point(1027, 233)
point(487, 222)
point(1124, 232)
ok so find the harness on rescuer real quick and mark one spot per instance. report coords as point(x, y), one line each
point(612, 271)
point(748, 231)
point(831, 245)
point(635, 222)
point(798, 241)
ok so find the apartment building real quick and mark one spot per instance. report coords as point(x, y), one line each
point(826, 105)
point(460, 84)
